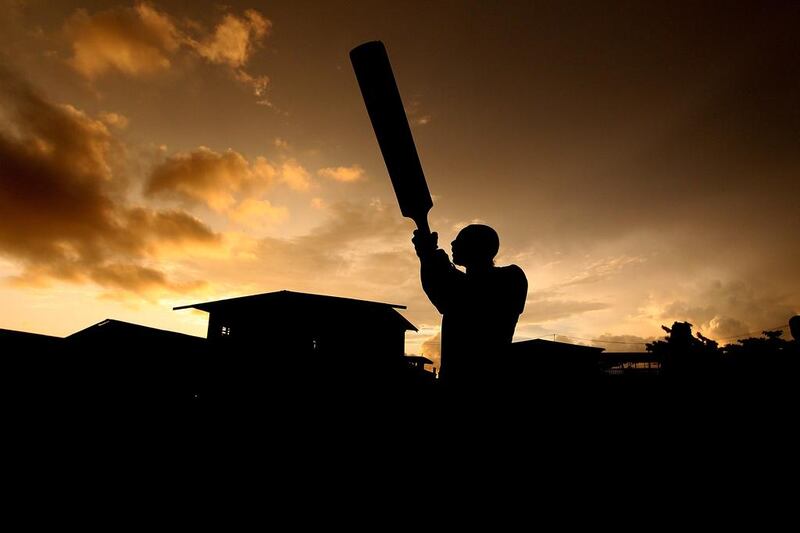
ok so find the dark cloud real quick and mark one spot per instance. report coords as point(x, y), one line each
point(62, 213)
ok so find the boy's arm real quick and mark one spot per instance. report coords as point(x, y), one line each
point(437, 273)
point(520, 288)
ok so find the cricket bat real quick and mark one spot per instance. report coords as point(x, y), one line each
point(388, 117)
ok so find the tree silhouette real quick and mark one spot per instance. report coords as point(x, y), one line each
point(761, 356)
point(682, 354)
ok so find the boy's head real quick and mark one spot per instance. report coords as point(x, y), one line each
point(794, 327)
point(475, 245)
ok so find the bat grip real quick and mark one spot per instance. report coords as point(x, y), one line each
point(422, 224)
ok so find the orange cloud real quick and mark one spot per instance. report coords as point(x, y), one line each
point(255, 213)
point(167, 227)
point(343, 174)
point(233, 42)
point(141, 40)
point(432, 349)
point(295, 176)
point(141, 279)
point(131, 40)
point(727, 309)
point(206, 177)
point(63, 217)
point(234, 39)
point(115, 119)
point(258, 84)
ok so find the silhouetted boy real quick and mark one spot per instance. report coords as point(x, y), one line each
point(480, 307)
point(794, 328)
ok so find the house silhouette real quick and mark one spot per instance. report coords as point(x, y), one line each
point(291, 339)
point(541, 363)
point(124, 362)
point(111, 363)
point(24, 344)
point(111, 336)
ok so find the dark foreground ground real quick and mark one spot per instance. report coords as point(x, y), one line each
point(167, 386)
point(84, 437)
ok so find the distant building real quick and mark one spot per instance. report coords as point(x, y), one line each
point(114, 336)
point(630, 364)
point(31, 369)
point(133, 363)
point(21, 343)
point(330, 337)
point(541, 359)
point(417, 364)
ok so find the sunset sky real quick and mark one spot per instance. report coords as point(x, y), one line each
point(640, 161)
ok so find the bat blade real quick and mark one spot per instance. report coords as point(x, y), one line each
point(387, 114)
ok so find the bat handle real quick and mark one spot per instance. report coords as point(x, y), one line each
point(422, 224)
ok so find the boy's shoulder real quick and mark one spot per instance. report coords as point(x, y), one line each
point(510, 270)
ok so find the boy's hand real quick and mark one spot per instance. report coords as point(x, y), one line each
point(425, 243)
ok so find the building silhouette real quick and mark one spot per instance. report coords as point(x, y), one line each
point(286, 339)
point(543, 359)
point(419, 374)
point(109, 337)
point(124, 362)
point(22, 344)
point(281, 347)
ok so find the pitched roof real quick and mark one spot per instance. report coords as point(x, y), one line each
point(543, 345)
point(11, 339)
point(278, 297)
point(303, 300)
point(117, 328)
point(14, 334)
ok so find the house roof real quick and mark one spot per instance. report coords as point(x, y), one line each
point(303, 300)
point(14, 334)
point(542, 345)
point(119, 329)
point(276, 297)
point(23, 339)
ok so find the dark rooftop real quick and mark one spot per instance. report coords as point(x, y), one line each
point(554, 346)
point(299, 300)
point(419, 359)
point(277, 297)
point(127, 329)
